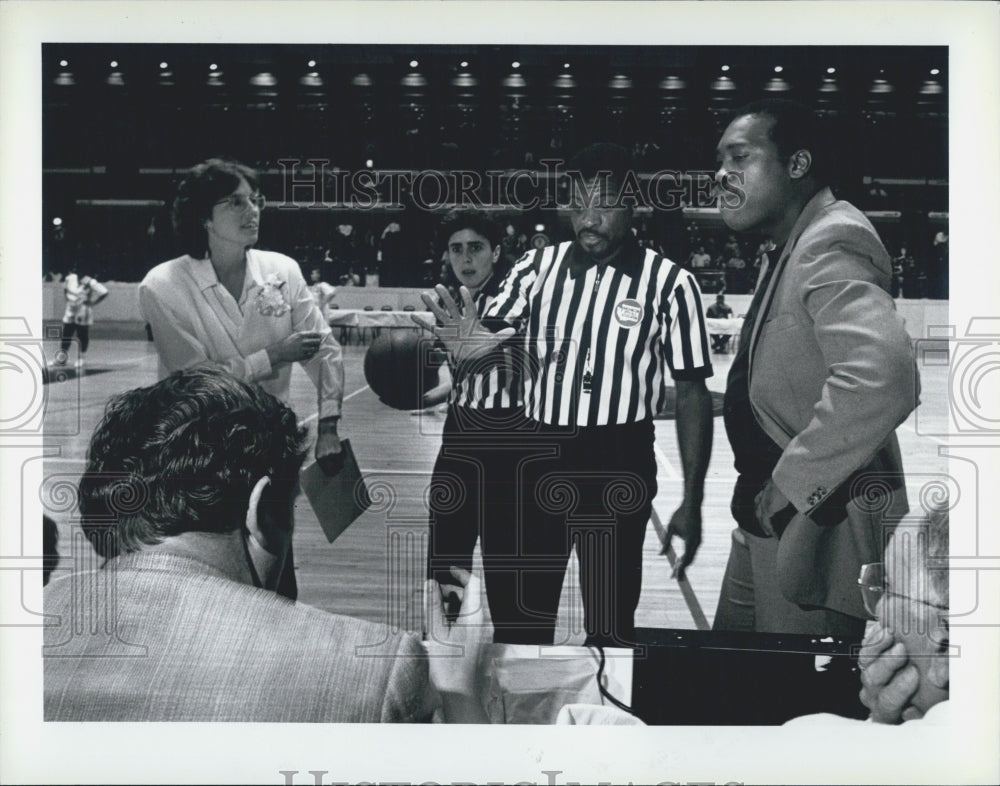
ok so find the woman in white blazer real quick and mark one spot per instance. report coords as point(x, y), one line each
point(227, 304)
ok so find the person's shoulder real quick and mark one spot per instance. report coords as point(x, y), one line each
point(842, 227)
point(167, 273)
point(276, 262)
point(840, 221)
point(350, 632)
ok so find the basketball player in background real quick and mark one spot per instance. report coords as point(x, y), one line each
point(82, 294)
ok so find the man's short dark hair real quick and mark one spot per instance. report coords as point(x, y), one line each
point(197, 194)
point(795, 127)
point(603, 157)
point(183, 456)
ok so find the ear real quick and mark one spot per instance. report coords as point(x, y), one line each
point(799, 164)
point(253, 510)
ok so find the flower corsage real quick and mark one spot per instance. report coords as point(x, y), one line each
point(271, 300)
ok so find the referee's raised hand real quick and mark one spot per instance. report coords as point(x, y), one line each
point(459, 328)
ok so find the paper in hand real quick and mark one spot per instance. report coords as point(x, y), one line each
point(339, 499)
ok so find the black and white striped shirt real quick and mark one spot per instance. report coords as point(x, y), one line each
point(494, 381)
point(599, 337)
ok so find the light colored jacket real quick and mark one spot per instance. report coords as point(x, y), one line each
point(832, 374)
point(161, 637)
point(196, 320)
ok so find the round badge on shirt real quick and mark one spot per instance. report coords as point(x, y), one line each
point(628, 313)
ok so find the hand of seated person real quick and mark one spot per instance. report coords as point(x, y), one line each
point(456, 633)
point(888, 679)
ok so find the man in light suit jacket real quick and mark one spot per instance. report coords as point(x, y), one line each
point(824, 375)
point(188, 493)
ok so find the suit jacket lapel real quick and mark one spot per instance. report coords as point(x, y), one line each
point(823, 198)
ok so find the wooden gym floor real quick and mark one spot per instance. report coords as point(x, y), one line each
point(375, 569)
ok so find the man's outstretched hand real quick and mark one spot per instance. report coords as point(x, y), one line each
point(459, 328)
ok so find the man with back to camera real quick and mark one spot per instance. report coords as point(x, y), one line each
point(189, 492)
point(823, 376)
point(604, 320)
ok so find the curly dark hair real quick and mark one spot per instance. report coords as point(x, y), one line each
point(183, 456)
point(197, 194)
point(480, 223)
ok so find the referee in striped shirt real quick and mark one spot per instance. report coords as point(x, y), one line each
point(603, 322)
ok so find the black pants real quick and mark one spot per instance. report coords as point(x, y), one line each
point(83, 331)
point(591, 488)
point(474, 488)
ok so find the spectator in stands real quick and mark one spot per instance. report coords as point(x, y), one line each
point(719, 310)
point(900, 264)
point(392, 256)
point(513, 244)
point(736, 273)
point(200, 634)
point(914, 278)
point(351, 278)
point(247, 311)
point(699, 259)
point(938, 274)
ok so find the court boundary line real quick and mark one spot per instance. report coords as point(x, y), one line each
point(687, 591)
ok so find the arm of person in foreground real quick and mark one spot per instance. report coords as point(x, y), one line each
point(455, 648)
point(694, 439)
point(325, 369)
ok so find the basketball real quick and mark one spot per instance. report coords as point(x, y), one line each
point(399, 368)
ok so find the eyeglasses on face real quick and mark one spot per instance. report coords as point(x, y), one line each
point(872, 585)
point(243, 201)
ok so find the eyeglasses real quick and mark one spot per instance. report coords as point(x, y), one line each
point(243, 201)
point(872, 584)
